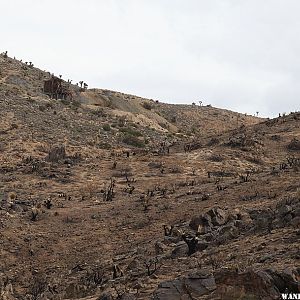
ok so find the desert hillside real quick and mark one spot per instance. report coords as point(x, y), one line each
point(109, 196)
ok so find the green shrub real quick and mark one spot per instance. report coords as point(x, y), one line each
point(133, 141)
point(106, 127)
point(121, 121)
point(104, 145)
point(76, 103)
point(130, 131)
point(65, 102)
point(99, 112)
point(147, 105)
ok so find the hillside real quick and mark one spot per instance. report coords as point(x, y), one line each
point(104, 197)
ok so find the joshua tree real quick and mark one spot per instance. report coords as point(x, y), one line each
point(81, 83)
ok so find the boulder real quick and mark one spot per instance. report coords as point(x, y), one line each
point(193, 286)
point(218, 216)
point(205, 222)
point(255, 284)
point(181, 249)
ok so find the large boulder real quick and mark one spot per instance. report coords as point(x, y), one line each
point(230, 284)
point(181, 249)
point(193, 286)
point(255, 284)
point(205, 222)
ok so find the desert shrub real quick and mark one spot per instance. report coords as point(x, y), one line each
point(193, 129)
point(255, 159)
point(142, 223)
point(213, 142)
point(163, 125)
point(12, 196)
point(122, 121)
point(133, 141)
point(49, 105)
point(111, 105)
point(90, 189)
point(65, 102)
point(76, 103)
point(176, 170)
point(42, 108)
point(173, 119)
point(130, 131)
point(30, 100)
point(105, 146)
point(14, 126)
point(37, 286)
point(147, 105)
point(155, 165)
point(294, 145)
point(106, 127)
point(216, 158)
point(275, 137)
point(122, 171)
point(56, 153)
point(99, 112)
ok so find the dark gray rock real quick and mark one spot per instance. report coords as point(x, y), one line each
point(181, 249)
point(193, 286)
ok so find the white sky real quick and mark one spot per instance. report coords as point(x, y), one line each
point(236, 54)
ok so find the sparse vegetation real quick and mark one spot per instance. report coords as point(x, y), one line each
point(147, 105)
point(130, 131)
point(106, 127)
point(133, 141)
point(84, 194)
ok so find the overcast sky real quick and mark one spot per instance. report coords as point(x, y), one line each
point(242, 55)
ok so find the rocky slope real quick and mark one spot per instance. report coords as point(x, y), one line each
point(101, 200)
